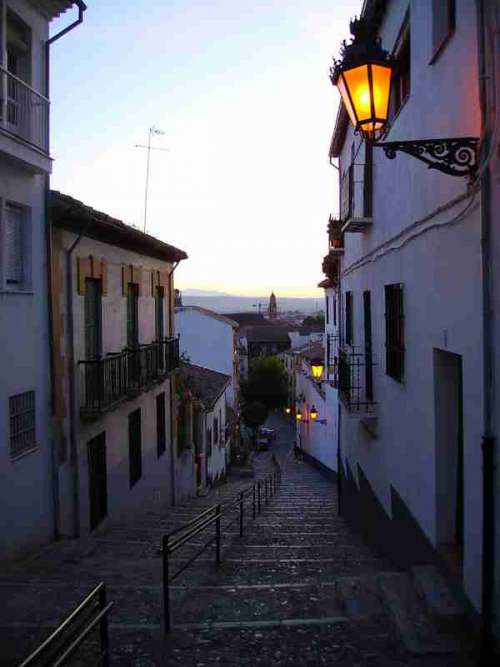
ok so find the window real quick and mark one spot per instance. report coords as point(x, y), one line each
point(161, 431)
point(327, 309)
point(22, 423)
point(182, 434)
point(93, 319)
point(134, 447)
point(222, 434)
point(401, 77)
point(209, 442)
point(16, 256)
point(368, 181)
point(159, 311)
point(443, 25)
point(394, 332)
point(334, 308)
point(133, 315)
point(348, 318)
point(216, 431)
point(367, 311)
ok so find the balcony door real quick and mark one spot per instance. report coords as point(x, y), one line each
point(93, 319)
point(18, 51)
point(133, 315)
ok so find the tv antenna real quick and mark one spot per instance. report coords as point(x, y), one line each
point(152, 131)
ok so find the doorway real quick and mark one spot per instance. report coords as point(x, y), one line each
point(448, 396)
point(98, 492)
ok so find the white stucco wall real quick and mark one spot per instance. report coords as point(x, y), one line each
point(220, 452)
point(411, 243)
point(209, 342)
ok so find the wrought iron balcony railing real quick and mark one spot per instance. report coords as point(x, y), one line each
point(23, 112)
point(116, 377)
point(355, 380)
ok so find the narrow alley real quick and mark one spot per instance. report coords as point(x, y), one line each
point(299, 589)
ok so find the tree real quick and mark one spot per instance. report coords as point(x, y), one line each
point(254, 414)
point(267, 383)
point(314, 320)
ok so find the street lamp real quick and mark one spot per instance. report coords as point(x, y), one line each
point(363, 77)
point(317, 368)
point(298, 416)
point(288, 410)
point(313, 413)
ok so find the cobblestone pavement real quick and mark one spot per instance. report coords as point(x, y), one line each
point(300, 588)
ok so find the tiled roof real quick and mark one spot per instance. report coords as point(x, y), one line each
point(269, 334)
point(77, 217)
point(206, 385)
point(247, 318)
point(209, 313)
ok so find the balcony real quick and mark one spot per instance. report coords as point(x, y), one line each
point(106, 382)
point(355, 198)
point(335, 237)
point(24, 122)
point(355, 381)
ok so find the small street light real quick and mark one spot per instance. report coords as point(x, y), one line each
point(313, 413)
point(317, 368)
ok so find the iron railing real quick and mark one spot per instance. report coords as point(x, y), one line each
point(23, 111)
point(66, 639)
point(116, 377)
point(354, 369)
point(254, 497)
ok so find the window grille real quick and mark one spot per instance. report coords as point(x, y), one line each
point(367, 310)
point(394, 332)
point(22, 423)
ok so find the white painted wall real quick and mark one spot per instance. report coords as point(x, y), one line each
point(411, 242)
point(26, 505)
point(297, 339)
point(209, 342)
point(217, 461)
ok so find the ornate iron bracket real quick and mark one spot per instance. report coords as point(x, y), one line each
point(456, 157)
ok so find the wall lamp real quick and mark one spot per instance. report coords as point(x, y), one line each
point(314, 414)
point(317, 368)
point(363, 76)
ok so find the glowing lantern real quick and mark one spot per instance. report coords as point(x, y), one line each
point(314, 413)
point(363, 77)
point(298, 416)
point(317, 368)
point(288, 410)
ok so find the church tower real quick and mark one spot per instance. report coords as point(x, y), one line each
point(272, 310)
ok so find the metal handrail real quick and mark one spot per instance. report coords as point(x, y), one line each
point(270, 483)
point(99, 594)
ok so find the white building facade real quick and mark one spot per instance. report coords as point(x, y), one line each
point(209, 340)
point(27, 450)
point(411, 281)
point(115, 355)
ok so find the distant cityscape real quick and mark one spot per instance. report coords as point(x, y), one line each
point(227, 303)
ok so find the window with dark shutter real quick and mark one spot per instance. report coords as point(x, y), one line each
point(443, 25)
point(159, 312)
point(335, 312)
point(327, 309)
point(132, 315)
point(348, 318)
point(135, 447)
point(13, 239)
point(367, 311)
point(394, 332)
point(401, 77)
point(93, 318)
point(161, 430)
point(209, 442)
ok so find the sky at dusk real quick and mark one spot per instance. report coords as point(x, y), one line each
point(241, 91)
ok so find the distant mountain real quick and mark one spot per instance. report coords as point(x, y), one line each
point(226, 303)
point(202, 292)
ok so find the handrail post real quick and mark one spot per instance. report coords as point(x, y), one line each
point(258, 494)
point(166, 586)
point(253, 501)
point(103, 628)
point(217, 534)
point(241, 514)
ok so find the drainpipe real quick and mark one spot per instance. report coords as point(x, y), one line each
point(488, 438)
point(48, 256)
point(172, 452)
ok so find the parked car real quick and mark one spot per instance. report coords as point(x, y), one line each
point(265, 437)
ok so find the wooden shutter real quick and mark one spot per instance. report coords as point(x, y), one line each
point(13, 244)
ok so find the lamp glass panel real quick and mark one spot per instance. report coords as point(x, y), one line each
point(381, 79)
point(317, 371)
point(359, 88)
point(345, 99)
